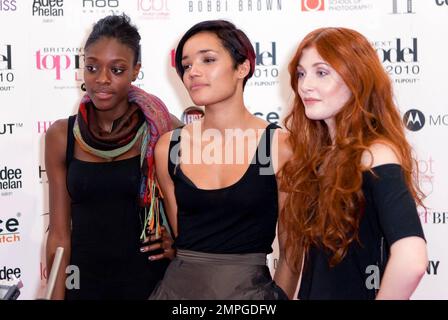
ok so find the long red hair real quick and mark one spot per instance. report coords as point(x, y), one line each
point(324, 179)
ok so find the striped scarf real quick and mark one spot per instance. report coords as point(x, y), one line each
point(147, 118)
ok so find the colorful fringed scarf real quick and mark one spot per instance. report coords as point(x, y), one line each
point(150, 124)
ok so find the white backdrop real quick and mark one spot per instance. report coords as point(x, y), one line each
point(41, 67)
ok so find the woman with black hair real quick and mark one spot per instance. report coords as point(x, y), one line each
point(102, 186)
point(223, 206)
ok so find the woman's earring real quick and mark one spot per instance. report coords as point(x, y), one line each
point(83, 87)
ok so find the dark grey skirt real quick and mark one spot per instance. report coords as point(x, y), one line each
point(196, 275)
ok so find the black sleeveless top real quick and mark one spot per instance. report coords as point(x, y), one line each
point(240, 218)
point(390, 214)
point(106, 228)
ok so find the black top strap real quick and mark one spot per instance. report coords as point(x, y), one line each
point(263, 156)
point(69, 153)
point(174, 152)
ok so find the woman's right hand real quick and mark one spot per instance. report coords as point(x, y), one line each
point(165, 243)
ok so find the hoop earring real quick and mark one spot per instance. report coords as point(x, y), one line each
point(83, 87)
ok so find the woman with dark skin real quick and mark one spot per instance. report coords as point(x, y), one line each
point(101, 176)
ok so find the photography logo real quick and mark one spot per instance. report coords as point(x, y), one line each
point(313, 5)
point(414, 119)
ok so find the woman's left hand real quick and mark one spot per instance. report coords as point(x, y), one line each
point(165, 243)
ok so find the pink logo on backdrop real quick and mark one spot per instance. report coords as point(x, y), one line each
point(154, 9)
point(313, 5)
point(173, 58)
point(42, 126)
point(426, 175)
point(49, 59)
point(56, 62)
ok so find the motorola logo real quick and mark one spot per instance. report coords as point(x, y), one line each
point(414, 119)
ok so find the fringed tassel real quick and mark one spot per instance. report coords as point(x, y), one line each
point(153, 214)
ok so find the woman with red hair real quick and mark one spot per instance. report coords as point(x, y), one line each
point(350, 215)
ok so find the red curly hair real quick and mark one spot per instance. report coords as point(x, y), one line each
point(324, 178)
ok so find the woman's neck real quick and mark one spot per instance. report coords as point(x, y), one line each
point(228, 114)
point(105, 119)
point(226, 118)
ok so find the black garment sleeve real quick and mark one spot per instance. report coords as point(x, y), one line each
point(397, 212)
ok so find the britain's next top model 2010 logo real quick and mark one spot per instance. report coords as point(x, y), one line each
point(6, 68)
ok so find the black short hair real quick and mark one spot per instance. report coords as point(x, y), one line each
point(233, 39)
point(118, 27)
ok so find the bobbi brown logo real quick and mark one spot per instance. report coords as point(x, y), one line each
point(259, 5)
point(207, 6)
